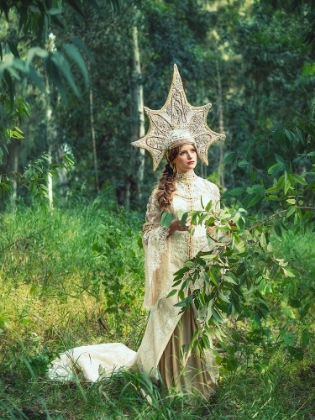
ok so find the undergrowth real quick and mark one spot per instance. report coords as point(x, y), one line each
point(75, 276)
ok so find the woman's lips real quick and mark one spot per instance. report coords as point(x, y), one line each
point(192, 161)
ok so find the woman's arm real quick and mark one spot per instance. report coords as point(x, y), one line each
point(154, 235)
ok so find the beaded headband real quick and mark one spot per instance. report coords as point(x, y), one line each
point(177, 123)
point(178, 137)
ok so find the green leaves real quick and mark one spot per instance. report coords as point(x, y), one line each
point(243, 277)
point(16, 133)
point(34, 178)
point(56, 65)
point(236, 191)
point(182, 217)
point(299, 179)
point(39, 17)
point(166, 219)
point(229, 157)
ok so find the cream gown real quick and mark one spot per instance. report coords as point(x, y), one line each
point(167, 333)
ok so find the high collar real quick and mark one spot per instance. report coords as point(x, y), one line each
point(186, 177)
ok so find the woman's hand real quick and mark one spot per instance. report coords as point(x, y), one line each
point(175, 225)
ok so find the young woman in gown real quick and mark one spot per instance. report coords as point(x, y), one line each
point(179, 132)
point(164, 348)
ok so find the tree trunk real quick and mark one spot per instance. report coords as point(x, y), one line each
point(138, 130)
point(63, 181)
point(50, 130)
point(50, 181)
point(15, 170)
point(221, 127)
point(139, 105)
point(49, 140)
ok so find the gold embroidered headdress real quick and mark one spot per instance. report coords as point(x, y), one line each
point(177, 123)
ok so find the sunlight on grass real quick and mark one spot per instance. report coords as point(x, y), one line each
point(71, 278)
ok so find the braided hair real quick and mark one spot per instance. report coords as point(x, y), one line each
point(166, 185)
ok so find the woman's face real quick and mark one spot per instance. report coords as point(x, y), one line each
point(186, 160)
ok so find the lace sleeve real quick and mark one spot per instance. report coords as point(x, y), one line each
point(155, 246)
point(154, 235)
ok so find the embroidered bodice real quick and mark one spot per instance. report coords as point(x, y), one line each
point(166, 254)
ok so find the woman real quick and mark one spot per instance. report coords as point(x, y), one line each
point(179, 132)
point(164, 348)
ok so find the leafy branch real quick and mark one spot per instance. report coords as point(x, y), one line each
point(242, 280)
point(34, 177)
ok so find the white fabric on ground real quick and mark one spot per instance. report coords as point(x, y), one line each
point(94, 361)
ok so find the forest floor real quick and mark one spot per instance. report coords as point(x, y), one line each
point(75, 276)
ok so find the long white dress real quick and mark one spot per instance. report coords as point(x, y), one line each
point(164, 255)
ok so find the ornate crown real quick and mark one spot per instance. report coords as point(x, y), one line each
point(177, 123)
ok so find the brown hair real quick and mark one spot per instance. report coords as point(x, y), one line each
point(166, 185)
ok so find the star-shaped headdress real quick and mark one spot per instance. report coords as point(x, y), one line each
point(177, 123)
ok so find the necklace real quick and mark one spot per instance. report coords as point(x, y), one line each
point(186, 176)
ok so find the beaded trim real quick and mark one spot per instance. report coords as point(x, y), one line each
point(185, 176)
point(181, 142)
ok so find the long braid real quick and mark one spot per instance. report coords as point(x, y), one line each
point(166, 185)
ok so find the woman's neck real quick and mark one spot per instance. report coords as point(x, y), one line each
point(185, 175)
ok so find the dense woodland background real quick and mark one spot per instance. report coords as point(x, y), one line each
point(248, 58)
point(74, 78)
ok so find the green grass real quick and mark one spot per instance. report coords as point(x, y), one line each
point(63, 271)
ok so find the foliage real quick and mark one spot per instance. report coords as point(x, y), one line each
point(259, 83)
point(268, 300)
point(11, 120)
point(54, 285)
point(74, 275)
point(249, 59)
point(35, 175)
point(36, 20)
point(307, 7)
point(113, 81)
point(117, 270)
point(91, 259)
point(34, 178)
point(40, 17)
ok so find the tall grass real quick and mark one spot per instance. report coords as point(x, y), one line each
point(59, 271)
point(75, 276)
